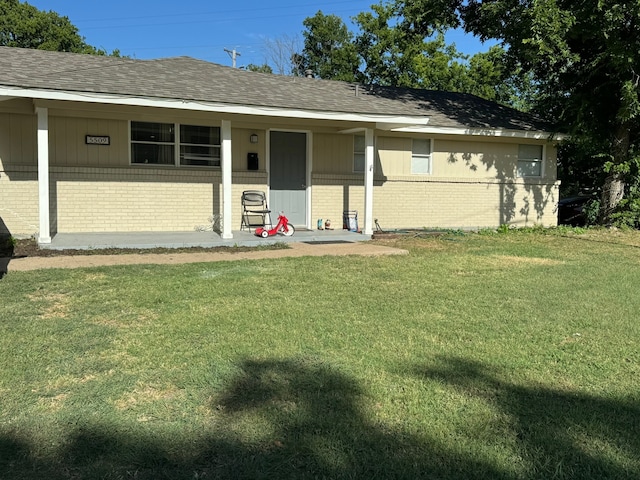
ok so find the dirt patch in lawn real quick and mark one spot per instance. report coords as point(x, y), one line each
point(57, 305)
point(12, 248)
point(515, 260)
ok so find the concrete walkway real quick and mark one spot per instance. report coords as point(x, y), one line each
point(297, 249)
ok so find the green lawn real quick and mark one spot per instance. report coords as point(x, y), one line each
point(505, 356)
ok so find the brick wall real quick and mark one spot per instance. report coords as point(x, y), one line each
point(405, 202)
point(19, 201)
point(119, 200)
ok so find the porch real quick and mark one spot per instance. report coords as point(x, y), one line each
point(297, 192)
point(208, 239)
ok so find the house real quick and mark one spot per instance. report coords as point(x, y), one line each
point(103, 144)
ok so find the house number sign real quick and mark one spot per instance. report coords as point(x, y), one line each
point(97, 140)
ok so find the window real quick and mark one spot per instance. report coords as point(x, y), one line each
point(358, 153)
point(152, 143)
point(529, 160)
point(199, 145)
point(156, 144)
point(421, 156)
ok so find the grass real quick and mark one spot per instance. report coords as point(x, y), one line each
point(509, 356)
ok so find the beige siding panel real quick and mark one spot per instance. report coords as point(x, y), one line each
point(551, 162)
point(453, 158)
point(485, 159)
point(68, 146)
point(395, 155)
point(24, 133)
point(22, 106)
point(242, 146)
point(5, 140)
point(474, 159)
point(18, 135)
point(332, 153)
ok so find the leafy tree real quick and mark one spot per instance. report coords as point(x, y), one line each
point(23, 25)
point(583, 59)
point(329, 51)
point(387, 52)
point(403, 44)
point(264, 68)
point(400, 58)
point(382, 49)
point(492, 76)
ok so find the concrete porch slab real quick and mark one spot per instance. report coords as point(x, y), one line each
point(147, 240)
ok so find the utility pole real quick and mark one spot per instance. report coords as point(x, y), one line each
point(233, 54)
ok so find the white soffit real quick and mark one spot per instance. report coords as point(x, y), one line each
point(410, 125)
point(395, 127)
point(202, 106)
point(482, 132)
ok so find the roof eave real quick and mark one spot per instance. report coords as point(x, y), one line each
point(484, 132)
point(205, 106)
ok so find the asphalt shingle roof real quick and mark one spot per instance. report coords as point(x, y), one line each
point(189, 79)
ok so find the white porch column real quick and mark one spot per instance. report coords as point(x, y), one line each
point(226, 162)
point(44, 235)
point(368, 181)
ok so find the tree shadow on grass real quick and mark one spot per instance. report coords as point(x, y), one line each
point(310, 424)
point(561, 434)
point(319, 430)
point(302, 418)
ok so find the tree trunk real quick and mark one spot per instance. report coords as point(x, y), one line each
point(613, 189)
point(612, 193)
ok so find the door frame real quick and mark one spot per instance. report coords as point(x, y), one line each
point(308, 165)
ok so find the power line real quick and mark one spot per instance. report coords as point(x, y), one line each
point(217, 20)
point(219, 13)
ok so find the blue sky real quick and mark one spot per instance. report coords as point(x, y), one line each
point(204, 29)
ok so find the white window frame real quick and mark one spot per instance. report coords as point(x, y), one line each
point(363, 153)
point(359, 154)
point(422, 157)
point(540, 161)
point(176, 144)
